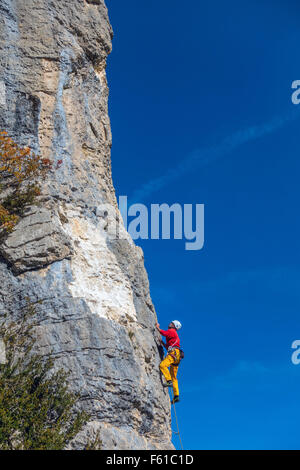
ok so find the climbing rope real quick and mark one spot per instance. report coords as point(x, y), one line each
point(178, 432)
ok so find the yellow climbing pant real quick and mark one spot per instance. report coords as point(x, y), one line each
point(172, 360)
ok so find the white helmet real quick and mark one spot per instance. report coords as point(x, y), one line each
point(177, 324)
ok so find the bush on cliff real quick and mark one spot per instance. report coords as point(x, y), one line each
point(36, 407)
point(21, 173)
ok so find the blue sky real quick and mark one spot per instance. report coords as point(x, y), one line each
point(185, 80)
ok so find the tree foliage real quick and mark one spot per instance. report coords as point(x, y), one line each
point(37, 410)
point(21, 173)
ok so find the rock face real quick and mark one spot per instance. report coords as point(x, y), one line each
point(37, 241)
point(96, 315)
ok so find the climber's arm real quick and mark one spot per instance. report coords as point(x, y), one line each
point(162, 332)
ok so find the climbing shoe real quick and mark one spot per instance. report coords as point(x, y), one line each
point(175, 399)
point(168, 384)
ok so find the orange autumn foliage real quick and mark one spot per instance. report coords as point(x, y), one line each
point(21, 171)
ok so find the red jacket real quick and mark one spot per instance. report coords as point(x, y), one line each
point(171, 337)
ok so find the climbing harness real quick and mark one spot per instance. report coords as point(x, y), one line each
point(174, 356)
point(181, 354)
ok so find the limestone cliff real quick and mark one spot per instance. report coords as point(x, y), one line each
point(96, 317)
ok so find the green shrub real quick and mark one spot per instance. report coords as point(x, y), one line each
point(36, 407)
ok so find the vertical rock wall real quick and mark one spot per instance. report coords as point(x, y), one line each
point(96, 317)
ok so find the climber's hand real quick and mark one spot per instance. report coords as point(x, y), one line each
point(157, 326)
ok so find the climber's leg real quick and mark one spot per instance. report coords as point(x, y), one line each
point(164, 367)
point(175, 400)
point(173, 374)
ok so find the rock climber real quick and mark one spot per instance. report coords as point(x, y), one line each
point(173, 357)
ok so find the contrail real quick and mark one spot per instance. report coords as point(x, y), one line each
point(202, 157)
